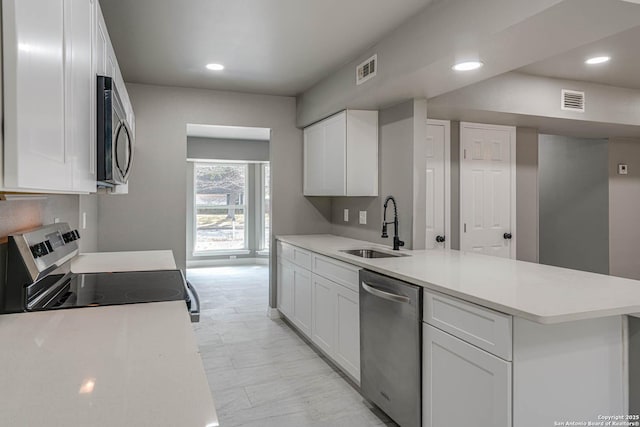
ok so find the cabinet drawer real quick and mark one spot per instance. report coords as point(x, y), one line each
point(337, 271)
point(480, 326)
point(294, 254)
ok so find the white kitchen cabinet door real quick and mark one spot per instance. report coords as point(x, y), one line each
point(347, 331)
point(101, 44)
point(463, 385)
point(334, 161)
point(324, 313)
point(80, 88)
point(341, 155)
point(313, 163)
point(35, 150)
point(285, 288)
point(302, 308)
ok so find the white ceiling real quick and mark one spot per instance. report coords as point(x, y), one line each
point(623, 70)
point(229, 132)
point(267, 46)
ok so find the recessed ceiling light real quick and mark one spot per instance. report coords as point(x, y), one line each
point(467, 65)
point(597, 60)
point(215, 67)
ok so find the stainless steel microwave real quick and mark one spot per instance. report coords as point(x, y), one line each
point(115, 138)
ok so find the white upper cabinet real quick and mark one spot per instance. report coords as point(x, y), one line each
point(36, 154)
point(52, 52)
point(341, 155)
point(80, 121)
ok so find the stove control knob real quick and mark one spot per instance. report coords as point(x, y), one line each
point(70, 236)
point(40, 249)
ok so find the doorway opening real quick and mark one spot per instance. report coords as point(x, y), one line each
point(228, 217)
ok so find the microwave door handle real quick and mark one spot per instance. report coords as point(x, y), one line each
point(123, 171)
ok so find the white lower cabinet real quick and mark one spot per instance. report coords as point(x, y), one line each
point(462, 384)
point(302, 299)
point(347, 331)
point(336, 323)
point(285, 287)
point(323, 323)
point(326, 311)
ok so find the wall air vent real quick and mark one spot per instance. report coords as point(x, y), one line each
point(572, 100)
point(367, 70)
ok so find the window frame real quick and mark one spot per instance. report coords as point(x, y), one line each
point(263, 239)
point(245, 207)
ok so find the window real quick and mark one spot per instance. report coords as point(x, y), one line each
point(220, 207)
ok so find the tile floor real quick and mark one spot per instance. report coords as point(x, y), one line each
point(261, 373)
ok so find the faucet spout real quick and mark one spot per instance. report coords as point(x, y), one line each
point(396, 239)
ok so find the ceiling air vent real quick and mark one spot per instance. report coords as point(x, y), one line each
point(572, 100)
point(367, 70)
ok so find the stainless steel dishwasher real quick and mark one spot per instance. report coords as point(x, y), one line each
point(391, 346)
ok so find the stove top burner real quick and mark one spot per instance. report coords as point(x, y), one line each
point(150, 294)
point(96, 289)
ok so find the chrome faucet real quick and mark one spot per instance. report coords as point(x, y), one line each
point(396, 239)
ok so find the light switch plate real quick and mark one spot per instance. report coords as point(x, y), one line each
point(623, 169)
point(363, 217)
point(346, 215)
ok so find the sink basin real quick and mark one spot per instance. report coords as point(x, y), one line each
point(371, 253)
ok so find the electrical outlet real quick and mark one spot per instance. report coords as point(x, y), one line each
point(56, 220)
point(363, 217)
point(346, 215)
point(623, 169)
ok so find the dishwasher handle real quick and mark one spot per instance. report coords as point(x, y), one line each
point(385, 295)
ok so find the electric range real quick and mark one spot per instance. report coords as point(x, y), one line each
point(39, 278)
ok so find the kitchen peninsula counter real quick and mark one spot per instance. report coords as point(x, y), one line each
point(540, 293)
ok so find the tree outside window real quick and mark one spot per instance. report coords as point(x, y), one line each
point(220, 206)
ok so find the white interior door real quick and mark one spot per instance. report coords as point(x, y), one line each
point(487, 189)
point(438, 197)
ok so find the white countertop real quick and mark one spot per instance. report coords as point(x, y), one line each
point(536, 292)
point(97, 262)
point(127, 365)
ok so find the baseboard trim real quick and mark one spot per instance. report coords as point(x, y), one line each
point(273, 313)
point(224, 262)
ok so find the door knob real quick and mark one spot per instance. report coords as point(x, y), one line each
point(507, 236)
point(440, 239)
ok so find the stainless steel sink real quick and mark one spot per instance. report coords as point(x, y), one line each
point(371, 253)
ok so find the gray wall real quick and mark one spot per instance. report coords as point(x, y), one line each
point(527, 226)
point(227, 149)
point(415, 59)
point(574, 203)
point(624, 208)
point(153, 214)
point(396, 162)
point(455, 186)
point(524, 100)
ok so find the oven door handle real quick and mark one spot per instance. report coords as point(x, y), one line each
point(194, 309)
